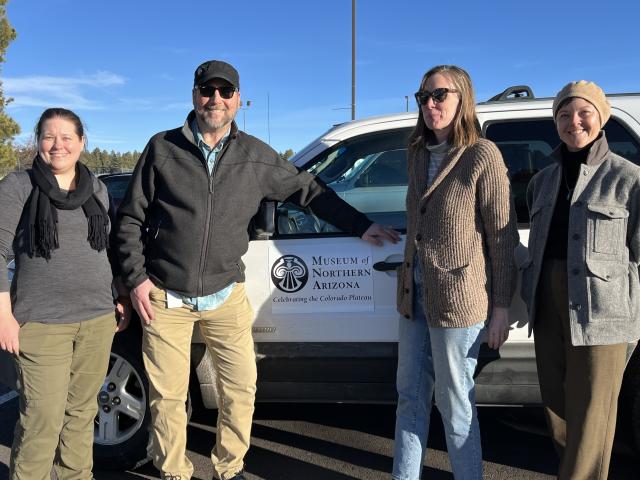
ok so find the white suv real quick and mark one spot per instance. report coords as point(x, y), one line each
point(326, 326)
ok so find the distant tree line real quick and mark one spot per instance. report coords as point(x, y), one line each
point(287, 154)
point(99, 161)
point(20, 157)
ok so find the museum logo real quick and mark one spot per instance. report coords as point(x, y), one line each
point(289, 274)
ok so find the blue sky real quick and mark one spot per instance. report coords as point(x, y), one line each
point(126, 66)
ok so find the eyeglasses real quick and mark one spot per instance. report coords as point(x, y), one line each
point(439, 95)
point(210, 91)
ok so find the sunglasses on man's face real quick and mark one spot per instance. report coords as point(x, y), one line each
point(210, 91)
point(439, 95)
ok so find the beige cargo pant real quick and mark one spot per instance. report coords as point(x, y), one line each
point(166, 353)
point(61, 368)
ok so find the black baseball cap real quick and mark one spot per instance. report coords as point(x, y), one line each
point(216, 69)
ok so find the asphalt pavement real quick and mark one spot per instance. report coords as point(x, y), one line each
point(341, 442)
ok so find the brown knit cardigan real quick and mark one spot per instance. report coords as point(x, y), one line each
point(464, 230)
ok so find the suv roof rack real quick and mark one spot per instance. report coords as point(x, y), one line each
point(518, 92)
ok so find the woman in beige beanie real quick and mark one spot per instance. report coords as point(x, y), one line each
point(580, 282)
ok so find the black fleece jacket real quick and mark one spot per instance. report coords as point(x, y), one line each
point(186, 229)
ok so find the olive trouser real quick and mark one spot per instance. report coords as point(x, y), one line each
point(166, 350)
point(579, 385)
point(60, 368)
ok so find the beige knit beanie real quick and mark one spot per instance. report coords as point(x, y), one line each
point(588, 91)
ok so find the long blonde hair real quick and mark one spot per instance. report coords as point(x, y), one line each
point(466, 128)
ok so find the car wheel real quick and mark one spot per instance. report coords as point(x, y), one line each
point(121, 427)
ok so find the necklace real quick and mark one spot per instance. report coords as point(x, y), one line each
point(566, 184)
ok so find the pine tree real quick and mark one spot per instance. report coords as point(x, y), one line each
point(8, 127)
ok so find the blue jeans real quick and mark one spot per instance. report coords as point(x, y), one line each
point(450, 355)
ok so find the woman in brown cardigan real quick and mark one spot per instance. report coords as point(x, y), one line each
point(458, 273)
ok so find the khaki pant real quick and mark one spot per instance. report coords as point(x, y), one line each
point(60, 368)
point(579, 385)
point(166, 351)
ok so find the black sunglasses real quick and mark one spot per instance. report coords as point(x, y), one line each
point(210, 91)
point(439, 95)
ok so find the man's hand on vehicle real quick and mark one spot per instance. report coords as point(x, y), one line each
point(141, 301)
point(376, 234)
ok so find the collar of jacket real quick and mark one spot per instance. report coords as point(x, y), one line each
point(186, 129)
point(597, 153)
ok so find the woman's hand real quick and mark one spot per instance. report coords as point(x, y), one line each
point(9, 330)
point(123, 312)
point(9, 334)
point(9, 327)
point(498, 327)
point(376, 233)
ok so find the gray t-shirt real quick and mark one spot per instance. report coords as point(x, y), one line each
point(74, 285)
point(436, 156)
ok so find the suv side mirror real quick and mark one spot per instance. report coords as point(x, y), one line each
point(262, 225)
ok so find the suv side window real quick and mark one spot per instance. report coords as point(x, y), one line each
point(368, 171)
point(116, 186)
point(622, 142)
point(527, 144)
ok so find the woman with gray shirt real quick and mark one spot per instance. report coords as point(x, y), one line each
point(580, 282)
point(57, 316)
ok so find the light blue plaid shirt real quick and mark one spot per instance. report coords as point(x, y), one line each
point(213, 301)
point(210, 154)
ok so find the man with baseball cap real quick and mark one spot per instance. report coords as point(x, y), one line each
point(181, 234)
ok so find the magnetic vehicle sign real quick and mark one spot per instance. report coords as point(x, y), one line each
point(310, 279)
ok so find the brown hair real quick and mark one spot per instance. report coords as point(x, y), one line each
point(466, 128)
point(50, 113)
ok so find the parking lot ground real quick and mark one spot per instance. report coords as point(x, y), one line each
point(341, 442)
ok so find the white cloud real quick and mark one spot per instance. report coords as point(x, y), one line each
point(99, 140)
point(177, 106)
point(148, 104)
point(70, 92)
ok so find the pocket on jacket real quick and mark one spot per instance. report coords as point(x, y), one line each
point(444, 263)
point(606, 228)
point(453, 287)
point(608, 291)
point(534, 225)
point(154, 229)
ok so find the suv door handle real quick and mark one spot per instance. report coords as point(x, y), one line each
point(386, 266)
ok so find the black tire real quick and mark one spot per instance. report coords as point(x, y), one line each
point(121, 431)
